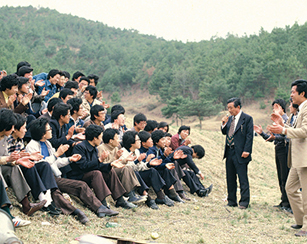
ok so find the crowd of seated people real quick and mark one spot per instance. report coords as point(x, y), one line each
point(57, 137)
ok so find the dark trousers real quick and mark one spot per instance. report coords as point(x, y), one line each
point(104, 184)
point(61, 202)
point(234, 168)
point(167, 177)
point(81, 190)
point(4, 200)
point(192, 181)
point(281, 155)
point(153, 178)
point(178, 174)
point(40, 178)
point(143, 186)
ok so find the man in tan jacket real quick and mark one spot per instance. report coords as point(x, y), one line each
point(297, 157)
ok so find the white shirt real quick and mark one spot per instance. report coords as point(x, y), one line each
point(236, 118)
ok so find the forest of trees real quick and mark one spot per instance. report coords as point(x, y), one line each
point(191, 78)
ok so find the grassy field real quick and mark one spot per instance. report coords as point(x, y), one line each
point(202, 220)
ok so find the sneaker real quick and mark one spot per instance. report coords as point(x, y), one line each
point(18, 222)
point(125, 204)
point(165, 200)
point(152, 204)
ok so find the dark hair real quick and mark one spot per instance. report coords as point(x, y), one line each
point(7, 119)
point(157, 135)
point(38, 128)
point(184, 127)
point(162, 125)
point(52, 102)
point(151, 125)
point(75, 105)
point(71, 84)
point(52, 73)
point(115, 114)
point(95, 110)
point(92, 131)
point(21, 120)
point(21, 81)
point(301, 86)
point(293, 105)
point(109, 134)
point(144, 136)
point(138, 118)
point(118, 107)
point(21, 64)
point(95, 77)
point(236, 102)
point(168, 134)
point(280, 102)
point(60, 109)
point(92, 90)
point(24, 70)
point(65, 92)
point(66, 74)
point(199, 150)
point(86, 79)
point(76, 75)
point(129, 139)
point(7, 82)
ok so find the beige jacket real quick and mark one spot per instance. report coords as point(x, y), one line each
point(297, 156)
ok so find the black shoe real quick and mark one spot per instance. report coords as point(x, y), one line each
point(103, 212)
point(125, 204)
point(82, 217)
point(277, 206)
point(137, 199)
point(165, 200)
point(286, 209)
point(202, 193)
point(176, 199)
point(51, 210)
point(209, 190)
point(152, 204)
point(297, 227)
point(55, 207)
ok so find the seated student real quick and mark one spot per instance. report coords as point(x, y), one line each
point(5, 206)
point(76, 112)
point(52, 102)
point(72, 85)
point(9, 169)
point(8, 90)
point(114, 108)
point(129, 179)
point(93, 79)
point(66, 75)
point(98, 114)
point(22, 64)
point(66, 94)
point(191, 170)
point(150, 175)
point(163, 126)
point(139, 122)
point(75, 187)
point(89, 100)
point(151, 126)
point(170, 176)
point(60, 118)
point(99, 176)
point(50, 84)
point(180, 139)
point(77, 76)
point(61, 82)
point(82, 84)
point(117, 122)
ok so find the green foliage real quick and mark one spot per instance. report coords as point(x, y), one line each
point(115, 98)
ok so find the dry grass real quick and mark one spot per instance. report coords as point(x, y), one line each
point(202, 220)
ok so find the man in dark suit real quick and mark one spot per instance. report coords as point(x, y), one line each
point(238, 129)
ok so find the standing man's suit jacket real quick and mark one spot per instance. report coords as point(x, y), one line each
point(297, 156)
point(243, 137)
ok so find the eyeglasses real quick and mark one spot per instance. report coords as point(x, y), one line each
point(50, 129)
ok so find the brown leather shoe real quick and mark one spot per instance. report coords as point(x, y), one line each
point(184, 196)
point(296, 227)
point(301, 233)
point(35, 207)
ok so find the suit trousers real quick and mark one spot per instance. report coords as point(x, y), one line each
point(128, 178)
point(178, 174)
point(153, 178)
point(59, 200)
point(297, 179)
point(234, 168)
point(192, 181)
point(4, 200)
point(15, 179)
point(143, 186)
point(40, 178)
point(168, 177)
point(281, 155)
point(81, 190)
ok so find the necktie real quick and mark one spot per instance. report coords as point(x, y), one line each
point(230, 132)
